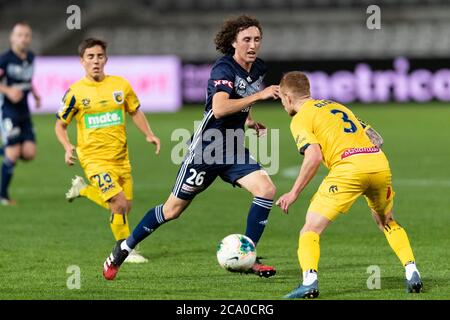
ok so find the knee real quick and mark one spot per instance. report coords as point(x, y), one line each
point(28, 156)
point(28, 152)
point(267, 190)
point(119, 205)
point(171, 211)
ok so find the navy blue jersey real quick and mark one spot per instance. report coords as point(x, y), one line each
point(16, 72)
point(228, 76)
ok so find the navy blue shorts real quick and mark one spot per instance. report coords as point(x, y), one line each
point(193, 177)
point(16, 130)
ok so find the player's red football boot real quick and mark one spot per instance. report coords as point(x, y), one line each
point(262, 270)
point(114, 261)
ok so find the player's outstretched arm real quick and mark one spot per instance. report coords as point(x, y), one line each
point(310, 165)
point(223, 106)
point(63, 138)
point(142, 124)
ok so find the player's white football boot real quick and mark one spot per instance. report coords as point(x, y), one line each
point(7, 202)
point(77, 185)
point(135, 257)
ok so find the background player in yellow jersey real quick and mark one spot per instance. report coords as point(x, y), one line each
point(328, 131)
point(98, 103)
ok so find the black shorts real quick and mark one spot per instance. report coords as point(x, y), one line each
point(193, 178)
point(16, 130)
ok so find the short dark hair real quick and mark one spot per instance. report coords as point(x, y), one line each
point(89, 43)
point(21, 23)
point(230, 28)
point(297, 82)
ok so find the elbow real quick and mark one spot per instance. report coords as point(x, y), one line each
point(217, 113)
point(59, 125)
point(316, 159)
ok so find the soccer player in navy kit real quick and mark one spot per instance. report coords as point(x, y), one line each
point(16, 71)
point(234, 86)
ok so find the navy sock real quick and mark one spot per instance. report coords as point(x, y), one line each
point(149, 223)
point(257, 218)
point(7, 174)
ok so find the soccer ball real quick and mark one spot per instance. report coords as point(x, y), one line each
point(236, 252)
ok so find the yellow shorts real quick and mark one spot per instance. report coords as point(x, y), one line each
point(111, 182)
point(339, 190)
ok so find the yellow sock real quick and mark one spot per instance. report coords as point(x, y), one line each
point(398, 240)
point(309, 251)
point(94, 195)
point(119, 226)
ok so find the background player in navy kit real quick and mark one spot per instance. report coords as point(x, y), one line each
point(234, 86)
point(16, 71)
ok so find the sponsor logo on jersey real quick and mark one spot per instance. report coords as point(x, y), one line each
point(19, 72)
point(86, 102)
point(333, 189)
point(244, 88)
point(189, 189)
point(108, 188)
point(104, 119)
point(353, 151)
point(299, 140)
point(223, 82)
point(118, 97)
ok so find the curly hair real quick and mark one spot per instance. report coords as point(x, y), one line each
point(230, 28)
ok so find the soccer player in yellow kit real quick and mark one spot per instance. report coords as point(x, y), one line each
point(99, 103)
point(328, 131)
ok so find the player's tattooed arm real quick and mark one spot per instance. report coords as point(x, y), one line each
point(373, 135)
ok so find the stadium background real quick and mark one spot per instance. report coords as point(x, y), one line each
point(397, 78)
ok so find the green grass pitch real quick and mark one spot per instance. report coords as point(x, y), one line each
point(44, 235)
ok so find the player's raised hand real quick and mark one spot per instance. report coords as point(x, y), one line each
point(14, 94)
point(70, 157)
point(155, 140)
point(286, 200)
point(271, 92)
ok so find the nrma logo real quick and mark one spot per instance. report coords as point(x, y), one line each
point(104, 119)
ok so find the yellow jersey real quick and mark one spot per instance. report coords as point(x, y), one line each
point(340, 135)
point(99, 109)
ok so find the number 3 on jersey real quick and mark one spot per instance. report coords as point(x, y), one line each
point(345, 118)
point(196, 178)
